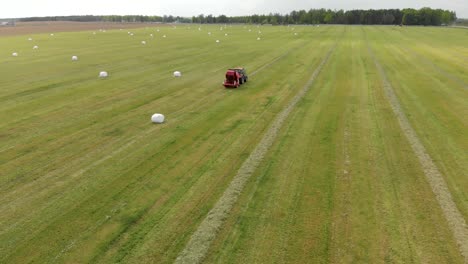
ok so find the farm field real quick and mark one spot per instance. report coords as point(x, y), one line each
point(325, 164)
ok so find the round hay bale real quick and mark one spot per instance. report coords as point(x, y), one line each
point(30, 39)
point(14, 54)
point(74, 58)
point(217, 41)
point(157, 118)
point(258, 38)
point(36, 47)
point(143, 42)
point(103, 74)
point(52, 34)
point(164, 36)
point(177, 74)
point(151, 35)
point(226, 34)
point(209, 33)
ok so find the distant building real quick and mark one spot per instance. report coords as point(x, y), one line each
point(7, 23)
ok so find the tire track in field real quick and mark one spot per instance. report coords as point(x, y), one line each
point(443, 72)
point(200, 242)
point(430, 63)
point(72, 243)
point(436, 180)
point(198, 104)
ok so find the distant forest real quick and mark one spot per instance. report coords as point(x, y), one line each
point(424, 16)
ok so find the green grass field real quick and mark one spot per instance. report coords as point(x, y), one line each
point(86, 177)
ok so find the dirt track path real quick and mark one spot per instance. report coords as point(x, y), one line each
point(436, 180)
point(201, 240)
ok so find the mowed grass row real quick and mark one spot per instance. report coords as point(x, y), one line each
point(341, 183)
point(85, 176)
point(435, 102)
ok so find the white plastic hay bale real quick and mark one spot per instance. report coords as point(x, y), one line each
point(74, 58)
point(30, 39)
point(226, 34)
point(164, 36)
point(103, 74)
point(143, 42)
point(51, 34)
point(177, 74)
point(14, 54)
point(209, 33)
point(295, 34)
point(36, 47)
point(94, 33)
point(151, 35)
point(250, 30)
point(157, 118)
point(217, 41)
point(157, 30)
point(258, 38)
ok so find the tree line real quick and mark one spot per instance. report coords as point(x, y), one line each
point(424, 16)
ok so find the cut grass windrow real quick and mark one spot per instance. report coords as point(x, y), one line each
point(196, 249)
point(438, 185)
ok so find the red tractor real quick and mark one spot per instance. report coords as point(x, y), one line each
point(235, 77)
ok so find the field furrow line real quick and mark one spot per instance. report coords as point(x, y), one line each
point(430, 63)
point(175, 116)
point(436, 180)
point(443, 72)
point(196, 249)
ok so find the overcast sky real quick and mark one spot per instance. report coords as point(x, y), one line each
point(27, 8)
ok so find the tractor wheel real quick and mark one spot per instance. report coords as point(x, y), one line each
point(245, 79)
point(241, 81)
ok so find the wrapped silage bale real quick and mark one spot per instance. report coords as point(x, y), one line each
point(157, 118)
